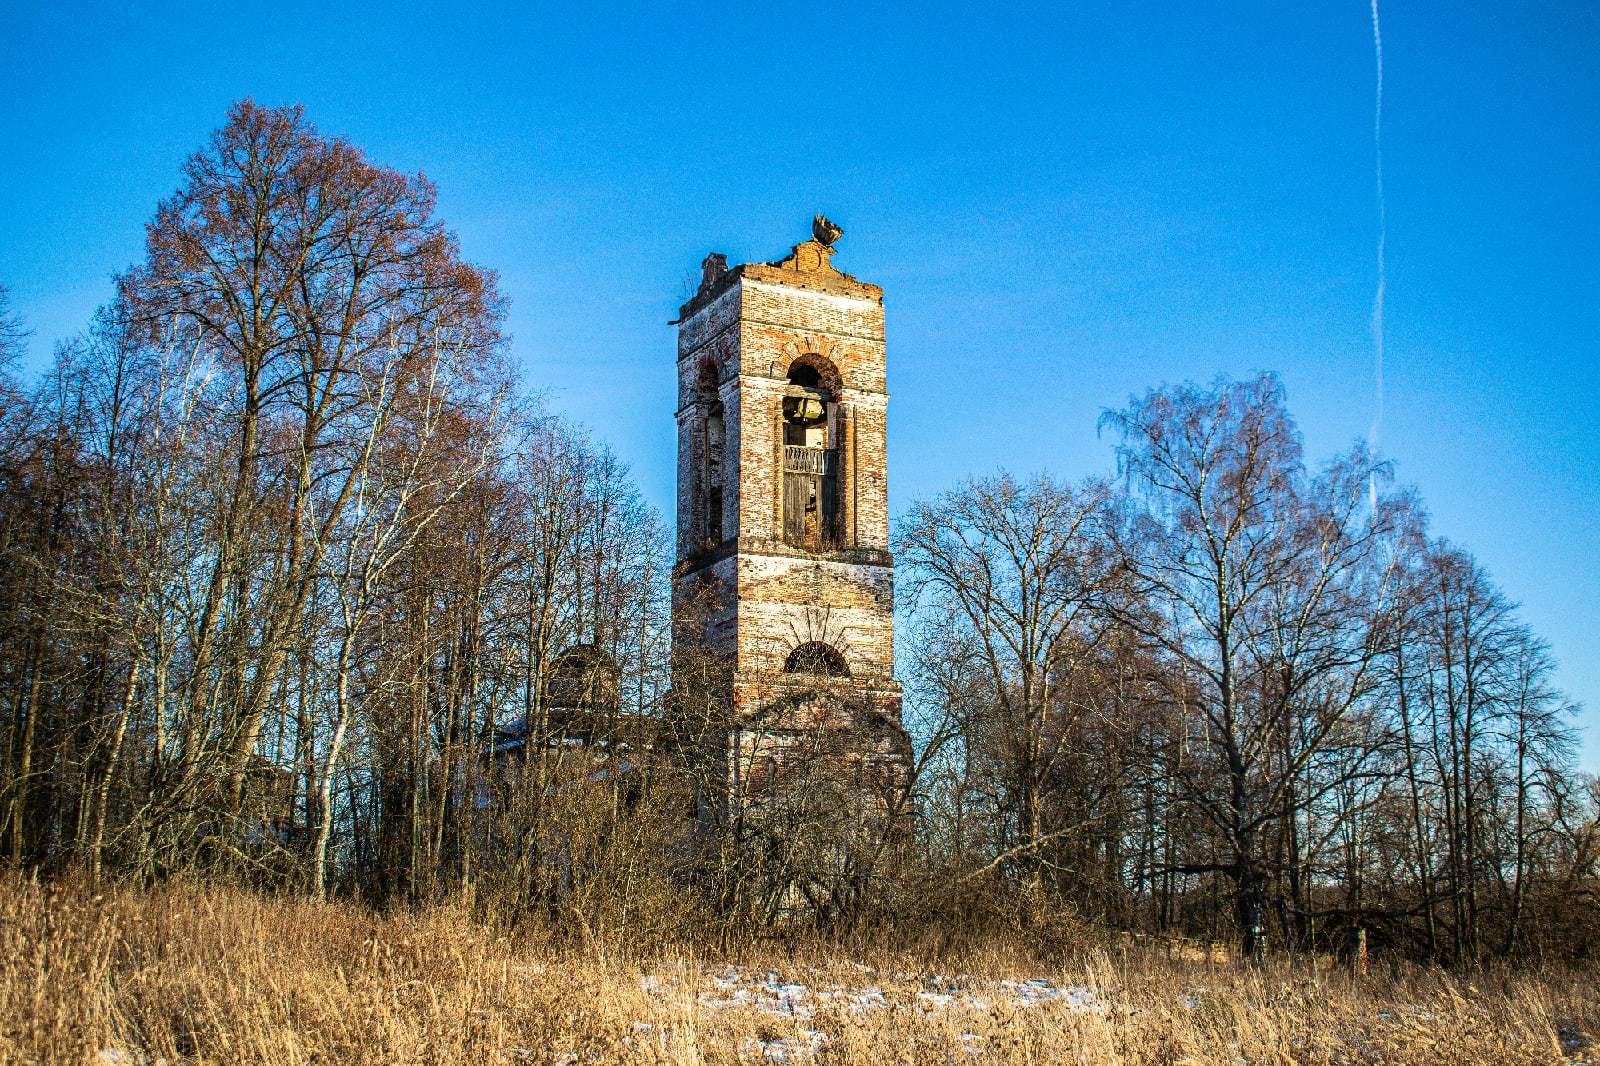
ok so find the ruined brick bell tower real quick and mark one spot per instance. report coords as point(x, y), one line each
point(784, 574)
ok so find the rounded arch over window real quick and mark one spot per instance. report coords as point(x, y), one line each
point(805, 375)
point(815, 657)
point(813, 371)
point(707, 379)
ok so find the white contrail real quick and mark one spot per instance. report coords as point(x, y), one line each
point(1383, 237)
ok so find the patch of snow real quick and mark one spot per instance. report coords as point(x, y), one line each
point(784, 1049)
point(774, 993)
point(1040, 990)
point(112, 1056)
point(862, 999)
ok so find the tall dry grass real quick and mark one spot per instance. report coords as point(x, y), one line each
point(190, 973)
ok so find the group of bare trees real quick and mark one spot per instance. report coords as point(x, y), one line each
point(296, 586)
point(281, 547)
point(1236, 694)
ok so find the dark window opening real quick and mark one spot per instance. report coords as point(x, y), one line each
point(714, 516)
point(711, 476)
point(815, 657)
point(805, 376)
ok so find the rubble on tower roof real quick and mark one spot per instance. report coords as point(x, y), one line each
point(809, 265)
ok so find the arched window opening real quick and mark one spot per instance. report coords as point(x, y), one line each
point(814, 371)
point(805, 375)
point(706, 381)
point(815, 657)
point(810, 455)
point(711, 476)
point(707, 512)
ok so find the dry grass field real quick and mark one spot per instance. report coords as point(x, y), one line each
point(189, 974)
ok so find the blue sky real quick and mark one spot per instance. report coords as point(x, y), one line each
point(1065, 204)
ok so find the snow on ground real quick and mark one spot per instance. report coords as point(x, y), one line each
point(1040, 990)
point(727, 987)
point(731, 987)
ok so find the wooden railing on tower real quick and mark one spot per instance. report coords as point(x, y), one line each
point(810, 491)
point(818, 462)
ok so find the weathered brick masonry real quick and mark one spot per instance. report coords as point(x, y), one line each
point(783, 518)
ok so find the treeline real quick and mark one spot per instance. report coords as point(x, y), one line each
point(281, 546)
point(1231, 693)
point(292, 574)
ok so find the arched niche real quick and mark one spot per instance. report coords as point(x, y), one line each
point(710, 476)
point(816, 659)
point(817, 371)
